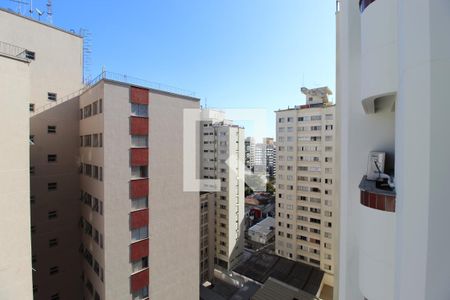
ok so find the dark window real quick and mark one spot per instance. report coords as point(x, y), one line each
point(51, 129)
point(52, 186)
point(52, 215)
point(51, 157)
point(30, 54)
point(32, 199)
point(33, 229)
point(54, 297)
point(31, 106)
point(53, 243)
point(51, 96)
point(54, 270)
point(32, 169)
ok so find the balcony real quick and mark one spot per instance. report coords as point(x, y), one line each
point(377, 196)
point(139, 188)
point(139, 249)
point(139, 280)
point(16, 52)
point(363, 4)
point(139, 218)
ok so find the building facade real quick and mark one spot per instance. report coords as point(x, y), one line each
point(392, 92)
point(207, 236)
point(249, 152)
point(223, 159)
point(306, 202)
point(49, 73)
point(271, 156)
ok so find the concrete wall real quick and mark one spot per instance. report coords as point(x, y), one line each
point(174, 214)
point(58, 66)
point(15, 249)
point(64, 200)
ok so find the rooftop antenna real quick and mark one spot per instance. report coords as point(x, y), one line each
point(49, 11)
point(40, 13)
point(19, 5)
point(31, 8)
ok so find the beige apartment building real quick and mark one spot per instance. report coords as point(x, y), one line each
point(306, 202)
point(223, 159)
point(109, 217)
point(34, 74)
point(207, 236)
point(15, 248)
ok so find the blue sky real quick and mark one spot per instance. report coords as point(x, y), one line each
point(234, 53)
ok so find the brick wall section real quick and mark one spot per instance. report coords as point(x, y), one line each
point(139, 126)
point(139, 218)
point(139, 157)
point(139, 249)
point(378, 201)
point(139, 280)
point(139, 95)
point(139, 188)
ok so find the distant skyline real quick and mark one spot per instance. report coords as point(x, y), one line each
point(232, 54)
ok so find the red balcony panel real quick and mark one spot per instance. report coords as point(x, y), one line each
point(378, 201)
point(139, 280)
point(139, 218)
point(139, 250)
point(139, 188)
point(139, 95)
point(139, 157)
point(138, 126)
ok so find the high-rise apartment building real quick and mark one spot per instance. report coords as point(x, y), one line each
point(271, 156)
point(41, 73)
point(249, 152)
point(393, 65)
point(207, 236)
point(223, 159)
point(109, 216)
point(306, 202)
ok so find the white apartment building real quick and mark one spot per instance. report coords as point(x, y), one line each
point(393, 66)
point(306, 201)
point(223, 159)
point(271, 156)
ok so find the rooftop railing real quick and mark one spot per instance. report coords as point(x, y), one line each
point(115, 77)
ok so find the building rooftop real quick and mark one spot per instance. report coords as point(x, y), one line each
point(275, 289)
point(10, 11)
point(260, 266)
point(265, 226)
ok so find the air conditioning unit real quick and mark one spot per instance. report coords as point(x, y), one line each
point(375, 165)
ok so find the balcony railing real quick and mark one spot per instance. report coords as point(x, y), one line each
point(13, 51)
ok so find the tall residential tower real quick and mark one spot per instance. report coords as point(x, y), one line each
point(306, 202)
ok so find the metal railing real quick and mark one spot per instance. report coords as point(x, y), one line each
point(13, 51)
point(115, 77)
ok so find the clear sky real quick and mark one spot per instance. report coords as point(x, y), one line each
point(234, 53)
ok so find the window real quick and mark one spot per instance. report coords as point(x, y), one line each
point(100, 140)
point(52, 186)
point(100, 106)
point(139, 264)
point(30, 54)
point(32, 170)
point(141, 294)
point(51, 158)
point(139, 172)
point(31, 106)
point(95, 175)
point(139, 110)
point(54, 297)
point(139, 203)
point(32, 199)
point(53, 243)
point(51, 96)
point(51, 129)
point(81, 114)
point(139, 141)
point(94, 108)
point(139, 233)
point(54, 270)
point(52, 215)
point(95, 140)
point(87, 111)
point(87, 140)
